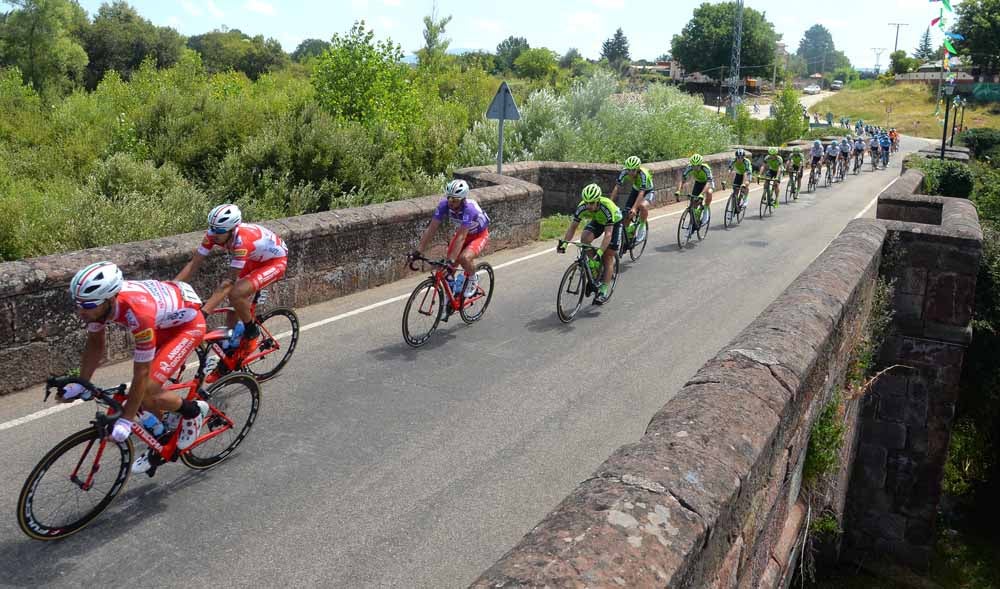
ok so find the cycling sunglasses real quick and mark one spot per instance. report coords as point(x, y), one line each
point(218, 230)
point(88, 304)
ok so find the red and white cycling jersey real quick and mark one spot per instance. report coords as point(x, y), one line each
point(148, 308)
point(250, 243)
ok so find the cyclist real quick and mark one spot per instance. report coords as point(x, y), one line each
point(884, 144)
point(894, 137)
point(258, 258)
point(846, 147)
point(641, 192)
point(832, 153)
point(817, 154)
point(703, 181)
point(795, 167)
point(774, 164)
point(471, 236)
point(605, 219)
point(743, 169)
point(873, 147)
point(859, 149)
point(166, 325)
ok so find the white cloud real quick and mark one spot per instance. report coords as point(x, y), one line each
point(259, 6)
point(173, 21)
point(213, 9)
point(487, 25)
point(610, 4)
point(584, 21)
point(191, 8)
point(390, 2)
point(385, 23)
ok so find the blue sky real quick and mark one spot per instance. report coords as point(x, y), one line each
point(856, 25)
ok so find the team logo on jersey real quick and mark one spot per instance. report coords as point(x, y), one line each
point(240, 253)
point(144, 337)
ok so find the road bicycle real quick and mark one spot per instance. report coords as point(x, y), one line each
point(885, 158)
point(434, 299)
point(267, 356)
point(875, 159)
point(813, 179)
point(858, 161)
point(690, 223)
point(630, 241)
point(80, 477)
point(736, 205)
point(842, 168)
point(581, 278)
point(792, 188)
point(828, 179)
point(767, 198)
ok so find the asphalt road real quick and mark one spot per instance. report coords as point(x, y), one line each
point(374, 465)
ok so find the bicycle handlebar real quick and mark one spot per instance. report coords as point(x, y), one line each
point(420, 258)
point(579, 244)
point(103, 395)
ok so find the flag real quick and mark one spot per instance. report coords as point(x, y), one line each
point(955, 36)
point(950, 47)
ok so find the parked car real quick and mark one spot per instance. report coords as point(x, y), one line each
point(837, 85)
point(811, 89)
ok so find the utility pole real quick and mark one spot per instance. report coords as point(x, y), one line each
point(895, 46)
point(734, 60)
point(722, 79)
point(878, 53)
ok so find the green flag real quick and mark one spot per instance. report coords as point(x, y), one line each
point(950, 47)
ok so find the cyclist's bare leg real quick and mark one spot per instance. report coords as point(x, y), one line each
point(707, 193)
point(157, 400)
point(240, 296)
point(609, 255)
point(467, 262)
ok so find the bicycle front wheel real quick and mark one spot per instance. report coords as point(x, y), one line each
point(275, 325)
point(765, 203)
point(570, 296)
point(234, 401)
point(684, 227)
point(635, 252)
point(788, 191)
point(703, 227)
point(422, 313)
point(73, 484)
point(474, 306)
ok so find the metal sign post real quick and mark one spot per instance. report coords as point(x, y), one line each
point(502, 108)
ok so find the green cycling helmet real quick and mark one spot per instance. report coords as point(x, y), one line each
point(796, 149)
point(591, 193)
point(697, 160)
point(632, 163)
point(772, 151)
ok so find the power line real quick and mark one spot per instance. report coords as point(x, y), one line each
point(878, 54)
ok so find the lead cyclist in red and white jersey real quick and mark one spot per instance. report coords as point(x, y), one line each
point(258, 257)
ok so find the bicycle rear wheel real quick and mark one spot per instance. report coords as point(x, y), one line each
point(637, 247)
point(788, 191)
point(54, 503)
point(474, 307)
point(614, 278)
point(275, 325)
point(812, 182)
point(422, 313)
point(234, 400)
point(569, 299)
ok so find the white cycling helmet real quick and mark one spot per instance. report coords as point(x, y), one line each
point(457, 189)
point(96, 283)
point(225, 217)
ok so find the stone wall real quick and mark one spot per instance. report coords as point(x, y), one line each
point(330, 254)
point(562, 182)
point(708, 497)
point(906, 424)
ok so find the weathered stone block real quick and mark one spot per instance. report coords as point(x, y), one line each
point(870, 465)
point(949, 298)
point(891, 436)
point(892, 408)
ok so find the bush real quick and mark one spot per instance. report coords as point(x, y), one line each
point(825, 440)
point(786, 123)
point(980, 141)
point(945, 178)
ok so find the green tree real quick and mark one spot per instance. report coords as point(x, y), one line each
point(786, 122)
point(224, 50)
point(925, 51)
point(706, 41)
point(572, 54)
point(899, 63)
point(364, 80)
point(821, 55)
point(508, 50)
point(309, 48)
point(615, 50)
point(433, 55)
point(482, 60)
point(979, 22)
point(535, 64)
point(120, 39)
point(38, 37)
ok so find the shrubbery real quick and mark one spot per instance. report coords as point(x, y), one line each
point(945, 177)
point(981, 141)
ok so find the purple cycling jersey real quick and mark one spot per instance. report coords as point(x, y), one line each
point(469, 216)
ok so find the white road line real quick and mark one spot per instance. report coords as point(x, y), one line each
point(875, 200)
point(358, 311)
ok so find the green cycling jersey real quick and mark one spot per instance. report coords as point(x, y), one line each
point(741, 165)
point(774, 162)
point(796, 159)
point(607, 212)
point(643, 180)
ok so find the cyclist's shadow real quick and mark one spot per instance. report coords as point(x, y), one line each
point(32, 563)
point(403, 351)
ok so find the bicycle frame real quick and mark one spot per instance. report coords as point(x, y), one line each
point(454, 303)
point(234, 361)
